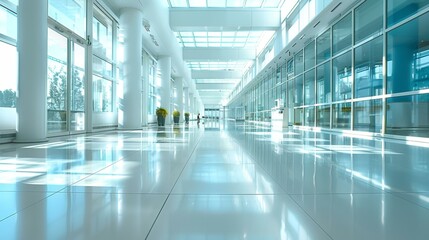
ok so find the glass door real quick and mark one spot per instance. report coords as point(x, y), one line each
point(65, 86)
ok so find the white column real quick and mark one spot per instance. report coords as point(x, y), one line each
point(33, 56)
point(186, 100)
point(131, 106)
point(165, 68)
point(179, 92)
point(191, 105)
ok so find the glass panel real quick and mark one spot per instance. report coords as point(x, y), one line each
point(102, 35)
point(290, 70)
point(324, 83)
point(368, 20)
point(102, 67)
point(408, 115)
point(408, 56)
point(342, 34)
point(309, 88)
point(299, 62)
point(103, 92)
point(323, 116)
point(8, 23)
point(309, 56)
point(341, 115)
point(368, 115)
point(299, 91)
point(71, 14)
point(309, 116)
point(342, 76)
point(78, 90)
point(9, 75)
point(369, 69)
point(290, 94)
point(57, 82)
point(298, 115)
point(323, 45)
point(398, 10)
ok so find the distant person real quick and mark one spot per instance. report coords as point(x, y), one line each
point(198, 118)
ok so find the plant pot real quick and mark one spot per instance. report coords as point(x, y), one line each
point(176, 120)
point(161, 120)
point(187, 119)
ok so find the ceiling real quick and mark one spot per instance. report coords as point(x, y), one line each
point(218, 40)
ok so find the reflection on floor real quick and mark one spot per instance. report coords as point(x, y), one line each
point(214, 181)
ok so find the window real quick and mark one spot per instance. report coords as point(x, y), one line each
point(299, 88)
point(369, 69)
point(9, 75)
point(323, 79)
point(368, 19)
point(103, 99)
point(102, 35)
point(408, 56)
point(341, 116)
point(323, 116)
point(342, 76)
point(323, 47)
point(299, 62)
point(8, 26)
point(398, 10)
point(368, 115)
point(408, 115)
point(309, 56)
point(71, 14)
point(342, 34)
point(309, 90)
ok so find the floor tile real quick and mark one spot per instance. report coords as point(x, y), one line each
point(234, 217)
point(75, 216)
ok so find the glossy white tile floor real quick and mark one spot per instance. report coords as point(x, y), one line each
point(218, 181)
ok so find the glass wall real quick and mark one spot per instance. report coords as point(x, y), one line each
point(103, 64)
point(357, 79)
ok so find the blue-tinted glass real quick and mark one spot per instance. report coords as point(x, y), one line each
point(369, 69)
point(368, 115)
point(299, 88)
point(323, 47)
point(309, 90)
point(408, 56)
point(341, 116)
point(309, 116)
point(398, 10)
point(342, 34)
point(368, 19)
point(299, 62)
point(408, 115)
point(309, 56)
point(323, 78)
point(342, 76)
point(8, 23)
point(323, 116)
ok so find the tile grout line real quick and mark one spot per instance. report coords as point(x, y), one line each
point(170, 193)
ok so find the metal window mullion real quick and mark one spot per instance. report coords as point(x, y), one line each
point(384, 100)
point(69, 86)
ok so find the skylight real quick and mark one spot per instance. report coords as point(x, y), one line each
point(224, 3)
point(238, 39)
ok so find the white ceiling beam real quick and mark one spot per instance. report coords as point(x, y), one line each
point(215, 86)
point(224, 19)
point(215, 74)
point(218, 54)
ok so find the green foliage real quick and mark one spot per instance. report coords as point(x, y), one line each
point(176, 113)
point(8, 98)
point(161, 112)
point(186, 114)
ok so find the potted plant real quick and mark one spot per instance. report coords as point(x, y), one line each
point(176, 116)
point(186, 117)
point(161, 113)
